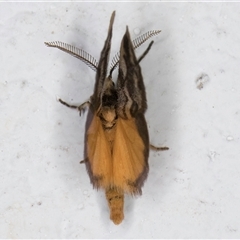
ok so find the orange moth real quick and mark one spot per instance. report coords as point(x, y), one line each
point(117, 141)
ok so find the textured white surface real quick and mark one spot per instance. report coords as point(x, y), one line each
point(192, 190)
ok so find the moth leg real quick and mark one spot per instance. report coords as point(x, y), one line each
point(83, 161)
point(145, 52)
point(79, 108)
point(152, 147)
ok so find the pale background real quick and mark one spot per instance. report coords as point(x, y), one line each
point(192, 190)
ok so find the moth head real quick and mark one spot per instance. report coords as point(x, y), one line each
point(109, 99)
point(109, 94)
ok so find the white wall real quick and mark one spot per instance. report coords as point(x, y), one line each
point(192, 190)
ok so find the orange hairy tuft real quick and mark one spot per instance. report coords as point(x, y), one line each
point(115, 200)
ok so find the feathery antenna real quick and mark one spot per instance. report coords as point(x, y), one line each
point(76, 52)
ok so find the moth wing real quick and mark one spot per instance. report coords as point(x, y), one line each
point(99, 162)
point(130, 85)
point(130, 165)
point(102, 67)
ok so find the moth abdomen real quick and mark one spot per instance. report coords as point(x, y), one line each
point(115, 200)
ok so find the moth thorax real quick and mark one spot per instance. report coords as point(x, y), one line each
point(108, 117)
point(109, 114)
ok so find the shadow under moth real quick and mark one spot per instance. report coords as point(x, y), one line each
point(117, 141)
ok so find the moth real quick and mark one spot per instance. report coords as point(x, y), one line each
point(117, 141)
